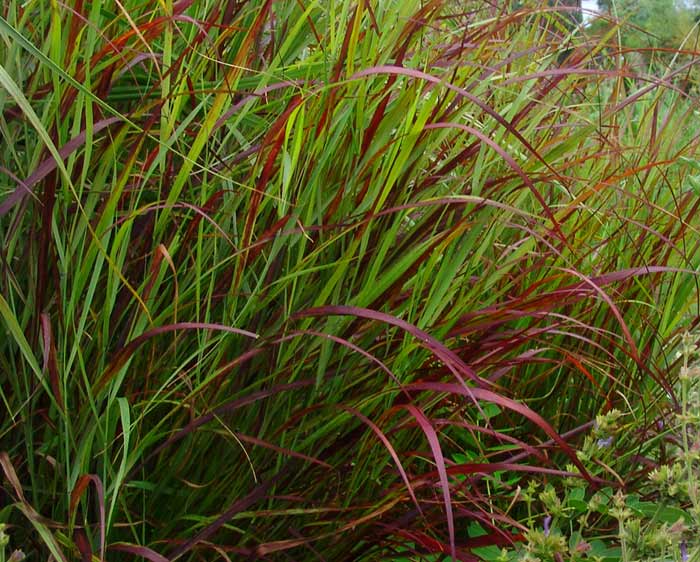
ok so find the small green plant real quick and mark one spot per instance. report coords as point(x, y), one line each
point(15, 555)
point(659, 522)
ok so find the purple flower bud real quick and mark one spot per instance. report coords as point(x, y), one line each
point(602, 443)
point(684, 551)
point(547, 521)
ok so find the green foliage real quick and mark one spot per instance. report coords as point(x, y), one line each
point(333, 279)
point(651, 23)
point(661, 35)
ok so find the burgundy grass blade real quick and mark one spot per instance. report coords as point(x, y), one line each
point(417, 74)
point(275, 140)
point(566, 295)
point(616, 312)
point(24, 506)
point(504, 402)
point(83, 544)
point(201, 214)
point(49, 165)
point(257, 94)
point(434, 443)
point(223, 409)
point(491, 467)
point(351, 346)
point(77, 493)
point(50, 362)
point(510, 161)
point(448, 357)
point(11, 475)
point(500, 436)
point(123, 355)
point(388, 446)
point(257, 494)
point(136, 550)
point(432, 546)
point(281, 450)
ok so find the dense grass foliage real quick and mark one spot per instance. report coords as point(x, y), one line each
point(328, 280)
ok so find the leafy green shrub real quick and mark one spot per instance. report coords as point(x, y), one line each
point(656, 520)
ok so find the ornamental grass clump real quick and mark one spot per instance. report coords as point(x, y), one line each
point(332, 280)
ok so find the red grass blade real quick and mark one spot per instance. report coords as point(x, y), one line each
point(502, 401)
point(128, 350)
point(50, 362)
point(613, 308)
point(258, 493)
point(75, 496)
point(12, 478)
point(142, 551)
point(432, 545)
point(387, 445)
point(81, 541)
point(49, 165)
point(281, 450)
point(434, 443)
point(511, 162)
point(448, 357)
point(352, 347)
point(225, 408)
